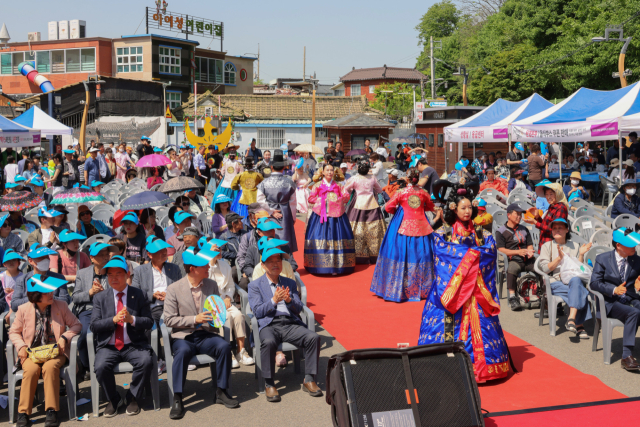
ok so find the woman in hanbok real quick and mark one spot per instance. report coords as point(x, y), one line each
point(329, 247)
point(365, 215)
point(247, 184)
point(302, 180)
point(463, 303)
point(404, 271)
point(230, 168)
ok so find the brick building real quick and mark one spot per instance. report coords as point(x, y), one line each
point(352, 130)
point(363, 81)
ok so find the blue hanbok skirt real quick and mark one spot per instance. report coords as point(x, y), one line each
point(404, 269)
point(329, 247)
point(238, 207)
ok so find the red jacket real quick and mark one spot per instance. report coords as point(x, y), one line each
point(415, 202)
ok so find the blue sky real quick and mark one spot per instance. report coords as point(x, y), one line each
point(338, 35)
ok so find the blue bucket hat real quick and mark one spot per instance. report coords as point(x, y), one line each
point(414, 160)
point(117, 262)
point(199, 259)
point(67, 236)
point(210, 242)
point(265, 224)
point(222, 198)
point(11, 254)
point(155, 245)
point(95, 183)
point(19, 178)
point(37, 283)
point(132, 217)
point(48, 214)
point(96, 247)
point(38, 251)
point(179, 217)
point(626, 237)
point(68, 151)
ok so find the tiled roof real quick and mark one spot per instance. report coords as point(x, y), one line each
point(359, 120)
point(260, 107)
point(383, 73)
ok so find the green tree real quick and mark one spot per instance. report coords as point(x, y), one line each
point(399, 103)
point(258, 82)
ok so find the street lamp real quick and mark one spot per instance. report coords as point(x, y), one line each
point(83, 126)
point(622, 73)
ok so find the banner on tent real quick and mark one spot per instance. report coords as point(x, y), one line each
point(476, 134)
point(26, 140)
point(566, 132)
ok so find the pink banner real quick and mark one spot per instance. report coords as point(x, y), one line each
point(565, 132)
point(605, 129)
point(501, 133)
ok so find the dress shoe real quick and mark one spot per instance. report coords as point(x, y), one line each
point(312, 388)
point(112, 410)
point(132, 408)
point(52, 419)
point(23, 420)
point(177, 409)
point(630, 364)
point(223, 398)
point(272, 394)
point(537, 314)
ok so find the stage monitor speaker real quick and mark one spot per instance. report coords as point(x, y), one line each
point(431, 385)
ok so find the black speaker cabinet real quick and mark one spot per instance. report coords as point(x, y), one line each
point(421, 386)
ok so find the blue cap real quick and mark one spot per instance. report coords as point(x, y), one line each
point(265, 243)
point(67, 236)
point(462, 164)
point(222, 198)
point(414, 160)
point(265, 224)
point(48, 214)
point(154, 245)
point(11, 185)
point(38, 251)
point(199, 259)
point(482, 203)
point(268, 252)
point(117, 261)
point(181, 216)
point(68, 151)
point(77, 185)
point(519, 146)
point(628, 181)
point(19, 178)
point(626, 237)
point(145, 137)
point(47, 285)
point(299, 163)
point(157, 150)
point(96, 183)
point(544, 183)
point(96, 247)
point(132, 217)
point(580, 144)
point(37, 182)
point(560, 220)
point(11, 254)
point(210, 242)
point(3, 218)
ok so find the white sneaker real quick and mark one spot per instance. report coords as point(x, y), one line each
point(162, 366)
point(191, 367)
point(245, 358)
point(234, 362)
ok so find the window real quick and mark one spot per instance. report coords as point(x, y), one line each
point(18, 57)
point(43, 62)
point(440, 140)
point(57, 61)
point(270, 138)
point(73, 61)
point(50, 61)
point(88, 59)
point(357, 141)
point(5, 63)
point(170, 60)
point(372, 88)
point(173, 99)
point(229, 74)
point(209, 70)
point(129, 59)
point(355, 90)
point(431, 140)
point(338, 92)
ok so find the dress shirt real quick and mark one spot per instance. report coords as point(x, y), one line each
point(159, 283)
point(221, 273)
point(46, 235)
point(198, 162)
point(622, 265)
point(127, 340)
point(196, 293)
point(281, 307)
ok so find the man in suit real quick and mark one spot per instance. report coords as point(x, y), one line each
point(154, 278)
point(276, 304)
point(38, 258)
point(192, 333)
point(90, 281)
point(119, 319)
point(616, 276)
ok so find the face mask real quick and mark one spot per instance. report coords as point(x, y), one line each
point(121, 150)
point(43, 265)
point(630, 191)
point(554, 161)
point(575, 182)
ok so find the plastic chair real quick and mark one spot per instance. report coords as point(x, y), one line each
point(590, 256)
point(122, 368)
point(103, 207)
point(164, 222)
point(625, 220)
point(491, 192)
point(206, 223)
point(84, 247)
point(23, 236)
point(590, 211)
point(548, 297)
point(49, 190)
point(535, 236)
point(602, 237)
point(604, 323)
point(585, 226)
point(524, 204)
point(33, 217)
point(67, 373)
point(608, 211)
point(33, 211)
point(495, 202)
point(198, 359)
point(104, 216)
point(520, 199)
point(607, 186)
point(499, 219)
point(111, 194)
point(161, 211)
point(155, 187)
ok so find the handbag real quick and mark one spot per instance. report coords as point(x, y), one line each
point(43, 353)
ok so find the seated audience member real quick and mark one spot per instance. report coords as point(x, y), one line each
point(155, 179)
point(45, 234)
point(148, 221)
point(615, 276)
point(198, 204)
point(190, 237)
point(233, 235)
point(516, 181)
point(119, 246)
point(38, 258)
point(9, 240)
point(153, 279)
point(276, 304)
point(43, 321)
point(514, 240)
point(220, 272)
point(574, 293)
point(255, 212)
point(18, 222)
point(626, 202)
point(502, 170)
point(222, 205)
point(38, 187)
point(88, 227)
point(192, 332)
point(571, 163)
point(254, 253)
point(182, 220)
point(636, 163)
point(119, 320)
point(61, 221)
point(494, 183)
point(134, 240)
point(8, 278)
point(582, 161)
point(170, 230)
point(70, 259)
point(90, 281)
point(575, 188)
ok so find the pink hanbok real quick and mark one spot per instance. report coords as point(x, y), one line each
point(302, 192)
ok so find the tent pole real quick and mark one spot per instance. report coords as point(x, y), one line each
point(560, 162)
point(620, 150)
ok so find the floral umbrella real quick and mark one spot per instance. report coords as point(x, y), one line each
point(19, 200)
point(77, 195)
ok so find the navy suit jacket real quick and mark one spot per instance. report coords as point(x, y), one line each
point(104, 309)
point(261, 303)
point(606, 277)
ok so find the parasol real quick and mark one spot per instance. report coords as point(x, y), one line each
point(356, 152)
point(421, 136)
point(19, 200)
point(180, 183)
point(308, 148)
point(152, 161)
point(118, 215)
point(146, 199)
point(77, 195)
point(401, 139)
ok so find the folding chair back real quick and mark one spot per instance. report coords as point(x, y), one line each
point(602, 237)
point(499, 219)
point(626, 220)
point(585, 226)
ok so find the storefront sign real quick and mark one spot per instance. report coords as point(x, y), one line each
point(565, 132)
point(160, 19)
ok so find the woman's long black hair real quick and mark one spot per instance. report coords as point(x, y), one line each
point(456, 195)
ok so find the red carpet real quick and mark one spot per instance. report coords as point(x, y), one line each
point(357, 318)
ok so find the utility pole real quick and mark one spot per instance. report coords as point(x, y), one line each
point(462, 71)
point(433, 77)
point(258, 62)
point(304, 65)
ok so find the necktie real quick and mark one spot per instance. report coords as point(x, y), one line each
point(622, 269)
point(120, 326)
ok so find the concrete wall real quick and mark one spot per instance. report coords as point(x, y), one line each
point(241, 87)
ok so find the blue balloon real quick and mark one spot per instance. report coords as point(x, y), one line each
point(543, 148)
point(519, 146)
point(462, 164)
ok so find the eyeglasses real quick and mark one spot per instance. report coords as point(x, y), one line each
point(85, 213)
point(186, 204)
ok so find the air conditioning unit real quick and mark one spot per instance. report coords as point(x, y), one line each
point(34, 37)
point(208, 111)
point(63, 30)
point(53, 30)
point(77, 29)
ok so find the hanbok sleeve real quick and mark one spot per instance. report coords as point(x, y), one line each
point(235, 183)
point(313, 196)
point(392, 205)
point(376, 186)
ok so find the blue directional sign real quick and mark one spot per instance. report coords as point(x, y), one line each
point(438, 104)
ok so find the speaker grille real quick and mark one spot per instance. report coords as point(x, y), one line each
point(379, 385)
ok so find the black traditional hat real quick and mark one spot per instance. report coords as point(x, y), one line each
point(278, 159)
